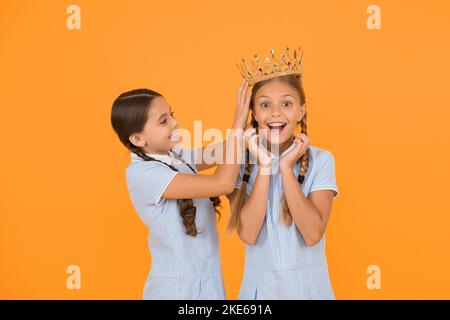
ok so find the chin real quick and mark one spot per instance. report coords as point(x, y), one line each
point(173, 144)
point(280, 139)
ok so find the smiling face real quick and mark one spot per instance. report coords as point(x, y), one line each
point(160, 131)
point(277, 109)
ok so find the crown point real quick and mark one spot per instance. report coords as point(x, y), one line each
point(270, 66)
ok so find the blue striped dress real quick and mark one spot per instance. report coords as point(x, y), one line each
point(183, 267)
point(280, 265)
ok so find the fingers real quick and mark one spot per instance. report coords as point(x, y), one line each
point(249, 132)
point(239, 92)
point(247, 99)
point(251, 139)
point(303, 142)
point(252, 143)
point(242, 92)
point(303, 137)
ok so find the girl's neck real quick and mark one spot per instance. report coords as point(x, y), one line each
point(150, 151)
point(282, 147)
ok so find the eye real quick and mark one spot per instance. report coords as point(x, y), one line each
point(264, 104)
point(165, 119)
point(287, 104)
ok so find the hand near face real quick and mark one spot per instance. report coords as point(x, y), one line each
point(255, 147)
point(302, 144)
point(242, 106)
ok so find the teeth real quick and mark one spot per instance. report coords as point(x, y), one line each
point(276, 125)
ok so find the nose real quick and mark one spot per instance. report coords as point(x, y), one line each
point(174, 122)
point(276, 112)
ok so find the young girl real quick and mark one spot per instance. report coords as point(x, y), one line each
point(282, 215)
point(177, 205)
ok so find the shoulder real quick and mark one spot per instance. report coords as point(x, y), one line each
point(139, 170)
point(320, 156)
point(317, 152)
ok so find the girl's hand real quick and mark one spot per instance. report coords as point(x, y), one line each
point(242, 106)
point(261, 154)
point(302, 144)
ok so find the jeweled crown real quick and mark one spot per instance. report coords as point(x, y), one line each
point(271, 66)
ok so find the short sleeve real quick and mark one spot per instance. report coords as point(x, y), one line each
point(148, 182)
point(325, 178)
point(240, 176)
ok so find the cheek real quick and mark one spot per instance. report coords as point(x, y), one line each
point(296, 114)
point(261, 117)
point(149, 130)
point(156, 133)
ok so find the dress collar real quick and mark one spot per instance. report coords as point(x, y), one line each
point(166, 158)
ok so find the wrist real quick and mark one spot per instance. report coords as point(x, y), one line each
point(239, 123)
point(264, 170)
point(285, 167)
point(265, 166)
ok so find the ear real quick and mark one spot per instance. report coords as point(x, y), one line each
point(254, 116)
point(137, 140)
point(302, 112)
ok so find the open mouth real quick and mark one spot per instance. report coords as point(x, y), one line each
point(276, 126)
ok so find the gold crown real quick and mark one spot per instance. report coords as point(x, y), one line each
point(271, 67)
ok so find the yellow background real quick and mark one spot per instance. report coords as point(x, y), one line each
point(377, 99)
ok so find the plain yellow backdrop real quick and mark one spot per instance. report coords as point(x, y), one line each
point(377, 99)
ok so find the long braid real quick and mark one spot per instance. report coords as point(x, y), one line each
point(304, 165)
point(241, 196)
point(216, 202)
point(187, 209)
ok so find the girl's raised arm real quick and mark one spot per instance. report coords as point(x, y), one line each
point(222, 181)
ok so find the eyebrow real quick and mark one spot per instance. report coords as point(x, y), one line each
point(285, 95)
point(165, 113)
point(161, 116)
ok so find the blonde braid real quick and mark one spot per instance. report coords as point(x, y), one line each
point(233, 223)
point(286, 216)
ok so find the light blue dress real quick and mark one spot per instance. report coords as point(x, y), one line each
point(183, 267)
point(280, 265)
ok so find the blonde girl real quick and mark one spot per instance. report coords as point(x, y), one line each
point(282, 203)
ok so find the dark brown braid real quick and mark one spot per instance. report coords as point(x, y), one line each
point(217, 203)
point(187, 209)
